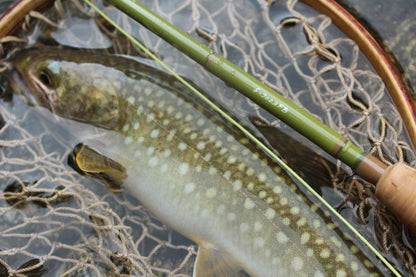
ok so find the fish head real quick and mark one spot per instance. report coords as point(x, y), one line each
point(68, 87)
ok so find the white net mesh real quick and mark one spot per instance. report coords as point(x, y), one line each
point(54, 221)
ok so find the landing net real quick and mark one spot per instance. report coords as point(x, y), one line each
point(55, 221)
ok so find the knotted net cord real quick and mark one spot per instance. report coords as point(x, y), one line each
point(285, 44)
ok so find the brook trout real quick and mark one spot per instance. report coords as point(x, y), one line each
point(191, 170)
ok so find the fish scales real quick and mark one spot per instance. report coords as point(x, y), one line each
point(190, 169)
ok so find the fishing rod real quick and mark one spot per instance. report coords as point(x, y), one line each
point(394, 184)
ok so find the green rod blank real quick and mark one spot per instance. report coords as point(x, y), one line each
point(306, 124)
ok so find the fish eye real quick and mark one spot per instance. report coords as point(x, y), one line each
point(45, 78)
point(48, 74)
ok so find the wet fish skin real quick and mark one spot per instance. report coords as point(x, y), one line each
point(188, 168)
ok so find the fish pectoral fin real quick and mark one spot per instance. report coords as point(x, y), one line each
point(211, 262)
point(86, 160)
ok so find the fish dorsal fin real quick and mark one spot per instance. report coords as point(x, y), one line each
point(211, 262)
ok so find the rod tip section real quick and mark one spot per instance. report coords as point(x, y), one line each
point(397, 190)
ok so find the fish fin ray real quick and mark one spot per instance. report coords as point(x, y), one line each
point(86, 160)
point(211, 262)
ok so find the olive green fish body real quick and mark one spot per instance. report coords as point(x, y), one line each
point(190, 169)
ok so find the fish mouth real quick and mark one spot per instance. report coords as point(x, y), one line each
point(30, 87)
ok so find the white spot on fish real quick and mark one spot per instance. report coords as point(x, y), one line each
point(212, 170)
point(211, 192)
point(336, 241)
point(316, 224)
point(250, 186)
point(221, 209)
point(150, 151)
point(150, 104)
point(283, 201)
point(231, 216)
point(170, 109)
point(257, 226)
point(193, 136)
point(286, 221)
point(297, 263)
point(243, 227)
point(246, 152)
point(178, 115)
point(282, 238)
point(309, 252)
point(301, 222)
point(128, 140)
point(207, 157)
point(201, 145)
point(161, 103)
point(153, 161)
point(200, 122)
point(231, 159)
point(304, 238)
point(164, 168)
point(262, 194)
point(354, 266)
point(171, 135)
point(126, 127)
point(130, 99)
point(223, 151)
point(139, 110)
point(294, 210)
point(250, 171)
point(188, 117)
point(341, 273)
point(318, 274)
point(187, 130)
point(155, 133)
point(150, 117)
point(248, 203)
point(227, 175)
point(136, 126)
point(262, 177)
point(270, 213)
point(277, 189)
point(140, 140)
point(325, 253)
point(182, 146)
point(183, 168)
point(267, 253)
point(241, 166)
point(237, 185)
point(275, 261)
point(147, 91)
point(167, 153)
point(340, 258)
point(137, 153)
point(189, 188)
point(198, 168)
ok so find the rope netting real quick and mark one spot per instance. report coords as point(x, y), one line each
point(55, 221)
